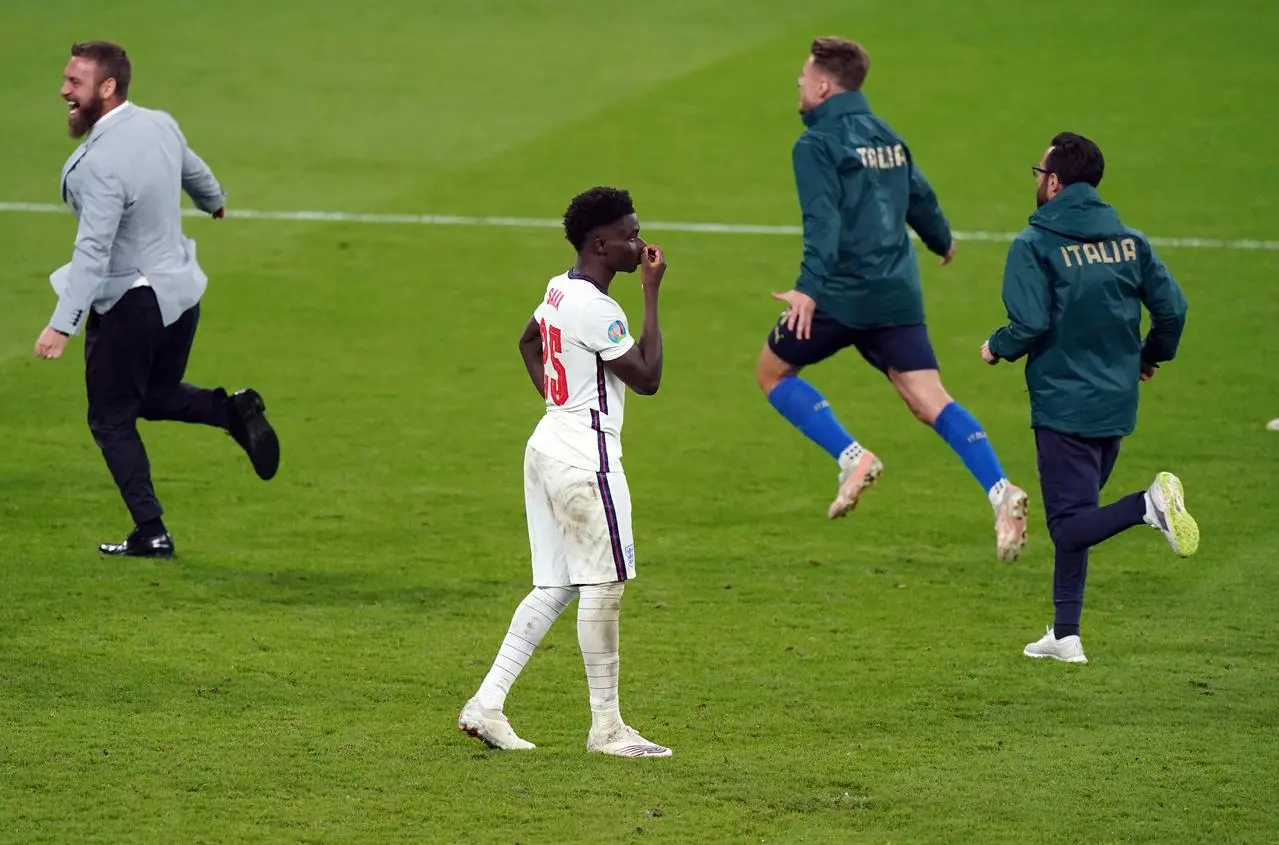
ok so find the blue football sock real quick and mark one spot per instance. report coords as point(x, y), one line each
point(964, 434)
point(806, 409)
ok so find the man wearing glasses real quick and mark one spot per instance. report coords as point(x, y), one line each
point(1074, 285)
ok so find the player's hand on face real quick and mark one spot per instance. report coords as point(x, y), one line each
point(987, 355)
point(949, 256)
point(653, 261)
point(799, 316)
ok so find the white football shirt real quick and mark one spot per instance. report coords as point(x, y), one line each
point(581, 329)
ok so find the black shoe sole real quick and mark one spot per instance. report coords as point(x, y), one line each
point(250, 428)
point(156, 555)
point(140, 548)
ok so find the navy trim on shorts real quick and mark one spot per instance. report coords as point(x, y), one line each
point(614, 532)
point(599, 436)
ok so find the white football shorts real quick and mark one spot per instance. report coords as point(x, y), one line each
point(579, 523)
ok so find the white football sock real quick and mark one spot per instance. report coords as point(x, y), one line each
point(996, 493)
point(598, 633)
point(532, 619)
point(850, 456)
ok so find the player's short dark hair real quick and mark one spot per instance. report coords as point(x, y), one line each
point(112, 62)
point(1074, 158)
point(589, 210)
point(846, 61)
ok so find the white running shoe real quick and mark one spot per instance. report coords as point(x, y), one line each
point(490, 727)
point(853, 479)
point(1166, 510)
point(1067, 649)
point(624, 742)
point(1010, 524)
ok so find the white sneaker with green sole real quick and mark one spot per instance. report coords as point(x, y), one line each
point(1166, 510)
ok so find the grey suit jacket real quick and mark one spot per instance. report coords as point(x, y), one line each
point(125, 184)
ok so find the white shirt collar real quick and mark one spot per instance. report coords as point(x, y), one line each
point(125, 105)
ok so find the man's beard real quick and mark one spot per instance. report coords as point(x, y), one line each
point(1041, 196)
point(80, 121)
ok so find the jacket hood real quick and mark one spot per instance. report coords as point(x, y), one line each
point(845, 102)
point(1079, 213)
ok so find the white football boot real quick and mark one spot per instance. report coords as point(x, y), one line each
point(1010, 523)
point(1166, 510)
point(1067, 649)
point(624, 741)
point(854, 477)
point(490, 727)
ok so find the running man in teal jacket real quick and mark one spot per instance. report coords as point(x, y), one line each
point(859, 190)
point(1075, 282)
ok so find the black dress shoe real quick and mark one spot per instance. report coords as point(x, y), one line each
point(247, 423)
point(135, 546)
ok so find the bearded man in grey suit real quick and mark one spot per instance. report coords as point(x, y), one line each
point(134, 286)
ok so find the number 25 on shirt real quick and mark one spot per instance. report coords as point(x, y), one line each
point(555, 388)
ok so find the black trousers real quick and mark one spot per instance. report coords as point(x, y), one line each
point(1072, 473)
point(133, 369)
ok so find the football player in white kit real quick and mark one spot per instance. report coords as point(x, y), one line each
point(581, 356)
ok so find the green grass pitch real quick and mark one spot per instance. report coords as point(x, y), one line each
point(295, 675)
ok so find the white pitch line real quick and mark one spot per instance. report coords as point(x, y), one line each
point(658, 226)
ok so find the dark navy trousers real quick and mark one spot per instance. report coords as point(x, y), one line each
point(133, 369)
point(1072, 473)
